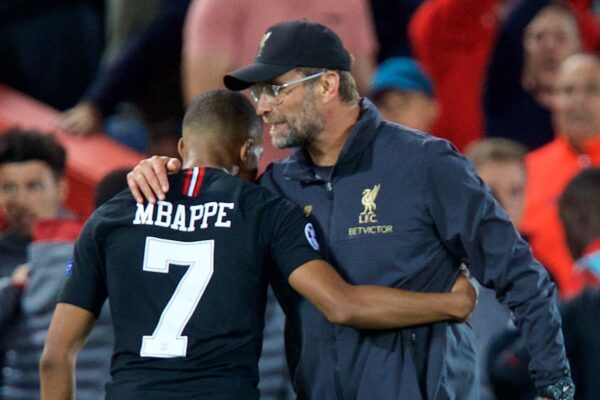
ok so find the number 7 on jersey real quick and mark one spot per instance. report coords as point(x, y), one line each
point(159, 254)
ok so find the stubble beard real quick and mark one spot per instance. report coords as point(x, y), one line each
point(304, 128)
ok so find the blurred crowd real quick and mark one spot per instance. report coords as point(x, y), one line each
point(513, 84)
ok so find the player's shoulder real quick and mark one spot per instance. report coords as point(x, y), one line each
point(255, 194)
point(122, 200)
point(118, 209)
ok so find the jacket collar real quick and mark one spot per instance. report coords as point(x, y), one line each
point(299, 166)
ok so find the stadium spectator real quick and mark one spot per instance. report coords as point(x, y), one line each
point(403, 93)
point(534, 40)
point(576, 113)
point(207, 323)
point(32, 188)
point(579, 211)
point(395, 208)
point(146, 72)
point(500, 163)
point(453, 39)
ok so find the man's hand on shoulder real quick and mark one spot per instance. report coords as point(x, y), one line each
point(148, 180)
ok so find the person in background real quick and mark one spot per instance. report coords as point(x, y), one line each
point(453, 39)
point(136, 98)
point(32, 187)
point(536, 37)
point(500, 163)
point(576, 115)
point(32, 190)
point(579, 212)
point(403, 93)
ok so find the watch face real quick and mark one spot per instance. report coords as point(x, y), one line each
point(561, 390)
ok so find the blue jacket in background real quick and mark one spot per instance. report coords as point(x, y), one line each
point(403, 209)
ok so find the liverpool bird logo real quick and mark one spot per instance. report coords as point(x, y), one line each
point(368, 201)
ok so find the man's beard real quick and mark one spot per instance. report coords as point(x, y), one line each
point(304, 129)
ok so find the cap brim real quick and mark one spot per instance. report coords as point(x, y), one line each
point(247, 76)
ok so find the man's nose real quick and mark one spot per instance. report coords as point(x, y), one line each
point(263, 106)
point(20, 196)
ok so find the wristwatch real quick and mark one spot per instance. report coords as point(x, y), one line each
point(561, 390)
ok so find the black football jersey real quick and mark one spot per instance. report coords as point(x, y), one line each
point(186, 278)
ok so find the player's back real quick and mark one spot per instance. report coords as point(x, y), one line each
point(187, 282)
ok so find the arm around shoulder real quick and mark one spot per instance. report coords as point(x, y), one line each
point(375, 307)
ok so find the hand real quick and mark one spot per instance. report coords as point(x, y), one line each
point(466, 294)
point(83, 119)
point(20, 276)
point(149, 178)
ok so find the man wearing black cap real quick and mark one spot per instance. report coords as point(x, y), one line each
point(394, 208)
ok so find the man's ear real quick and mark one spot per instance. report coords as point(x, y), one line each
point(181, 148)
point(245, 150)
point(330, 86)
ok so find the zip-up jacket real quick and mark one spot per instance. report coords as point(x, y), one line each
point(403, 209)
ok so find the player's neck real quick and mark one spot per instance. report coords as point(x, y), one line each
point(209, 163)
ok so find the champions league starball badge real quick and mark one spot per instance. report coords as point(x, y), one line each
point(311, 236)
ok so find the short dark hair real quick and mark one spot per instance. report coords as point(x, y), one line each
point(495, 150)
point(579, 210)
point(17, 145)
point(224, 112)
point(111, 184)
point(582, 192)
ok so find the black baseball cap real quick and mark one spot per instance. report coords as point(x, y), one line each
point(288, 45)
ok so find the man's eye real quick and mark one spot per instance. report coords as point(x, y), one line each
point(35, 186)
point(8, 188)
point(272, 90)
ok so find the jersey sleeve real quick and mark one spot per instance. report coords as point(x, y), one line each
point(291, 237)
point(86, 284)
